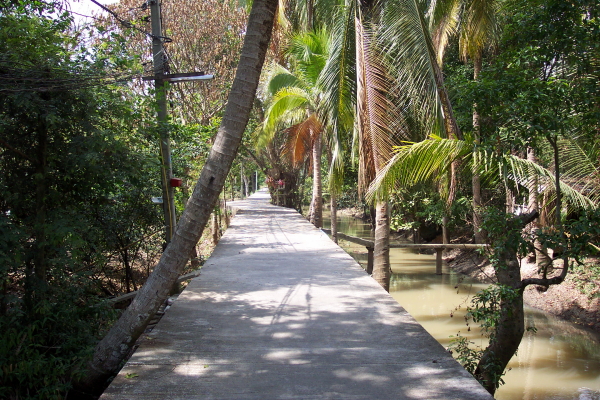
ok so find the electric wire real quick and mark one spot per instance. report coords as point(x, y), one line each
point(128, 24)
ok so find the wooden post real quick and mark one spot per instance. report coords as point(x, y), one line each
point(438, 261)
point(370, 260)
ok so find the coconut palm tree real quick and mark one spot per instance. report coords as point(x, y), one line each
point(295, 96)
point(428, 160)
point(383, 69)
point(112, 349)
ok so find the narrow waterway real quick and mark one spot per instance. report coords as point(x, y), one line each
point(559, 361)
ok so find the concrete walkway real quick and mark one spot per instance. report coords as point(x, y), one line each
point(281, 312)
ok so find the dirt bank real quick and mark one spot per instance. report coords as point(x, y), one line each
point(564, 301)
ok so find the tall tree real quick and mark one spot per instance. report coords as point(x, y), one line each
point(477, 28)
point(295, 107)
point(109, 353)
point(382, 63)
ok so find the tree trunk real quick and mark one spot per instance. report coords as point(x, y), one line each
point(445, 230)
point(381, 253)
point(316, 215)
point(112, 349)
point(541, 252)
point(479, 235)
point(185, 189)
point(505, 339)
point(509, 330)
point(215, 228)
point(41, 192)
point(246, 186)
point(334, 225)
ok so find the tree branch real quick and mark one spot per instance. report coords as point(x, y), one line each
point(19, 152)
point(258, 162)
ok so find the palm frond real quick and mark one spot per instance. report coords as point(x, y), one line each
point(373, 106)
point(479, 27)
point(415, 163)
point(309, 52)
point(300, 139)
point(338, 77)
point(285, 101)
point(444, 18)
point(336, 166)
point(283, 80)
point(520, 171)
point(406, 41)
point(579, 166)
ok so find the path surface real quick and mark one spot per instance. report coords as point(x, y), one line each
point(281, 312)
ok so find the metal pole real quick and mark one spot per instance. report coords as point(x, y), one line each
point(161, 101)
point(256, 181)
point(241, 180)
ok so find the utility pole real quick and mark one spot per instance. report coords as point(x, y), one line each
point(159, 78)
point(166, 170)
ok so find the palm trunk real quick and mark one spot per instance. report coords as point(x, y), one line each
point(316, 216)
point(112, 349)
point(334, 225)
point(373, 154)
point(381, 252)
point(215, 228)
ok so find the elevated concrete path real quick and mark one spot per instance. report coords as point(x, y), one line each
point(281, 312)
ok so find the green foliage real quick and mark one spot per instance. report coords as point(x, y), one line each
point(74, 199)
point(421, 205)
point(467, 354)
point(39, 356)
point(486, 307)
point(582, 246)
point(486, 310)
point(506, 236)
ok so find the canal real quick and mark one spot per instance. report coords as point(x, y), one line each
point(559, 361)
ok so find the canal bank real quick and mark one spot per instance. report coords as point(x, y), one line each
point(566, 301)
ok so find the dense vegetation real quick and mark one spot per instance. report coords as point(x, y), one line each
point(421, 114)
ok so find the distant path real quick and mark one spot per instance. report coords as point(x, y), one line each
point(281, 312)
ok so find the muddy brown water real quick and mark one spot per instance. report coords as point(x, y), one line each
point(559, 361)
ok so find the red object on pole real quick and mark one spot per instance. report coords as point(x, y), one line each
point(176, 182)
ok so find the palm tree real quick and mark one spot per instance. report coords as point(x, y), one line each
point(112, 349)
point(383, 67)
point(428, 160)
point(295, 105)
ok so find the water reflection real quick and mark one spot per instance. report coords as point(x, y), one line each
point(554, 363)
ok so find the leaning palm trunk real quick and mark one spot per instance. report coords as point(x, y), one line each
point(113, 348)
point(374, 138)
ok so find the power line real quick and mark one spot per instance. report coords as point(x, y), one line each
point(128, 24)
point(83, 15)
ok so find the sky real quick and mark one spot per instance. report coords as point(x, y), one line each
point(86, 8)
